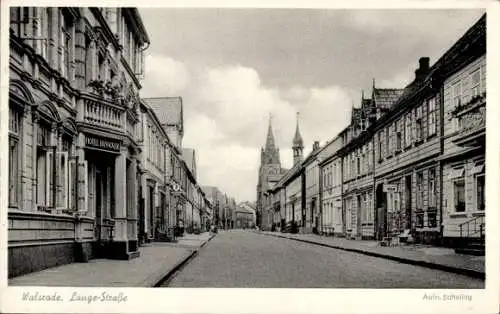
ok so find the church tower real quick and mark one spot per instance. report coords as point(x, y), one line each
point(270, 166)
point(298, 145)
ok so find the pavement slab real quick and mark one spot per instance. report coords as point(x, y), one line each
point(156, 260)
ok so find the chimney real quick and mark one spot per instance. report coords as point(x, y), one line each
point(315, 146)
point(423, 68)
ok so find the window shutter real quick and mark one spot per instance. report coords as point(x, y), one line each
point(414, 125)
point(49, 179)
point(82, 187)
point(62, 180)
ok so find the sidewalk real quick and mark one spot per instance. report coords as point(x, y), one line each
point(156, 261)
point(422, 255)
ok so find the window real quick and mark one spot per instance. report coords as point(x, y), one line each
point(480, 192)
point(43, 31)
point(420, 190)
point(459, 195)
point(419, 126)
point(66, 44)
point(432, 188)
point(15, 117)
point(457, 93)
point(19, 19)
point(478, 172)
point(432, 218)
point(408, 132)
point(358, 163)
point(380, 145)
point(399, 136)
point(431, 109)
point(388, 141)
point(420, 219)
point(101, 74)
point(475, 78)
point(45, 174)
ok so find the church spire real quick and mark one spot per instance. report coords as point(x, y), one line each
point(270, 136)
point(298, 144)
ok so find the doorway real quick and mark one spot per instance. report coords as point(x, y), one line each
point(381, 217)
point(408, 201)
point(151, 192)
point(98, 205)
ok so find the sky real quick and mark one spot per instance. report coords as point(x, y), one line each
point(234, 67)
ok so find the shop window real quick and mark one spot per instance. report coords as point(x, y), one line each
point(432, 219)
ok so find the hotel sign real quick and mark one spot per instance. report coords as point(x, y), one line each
point(101, 143)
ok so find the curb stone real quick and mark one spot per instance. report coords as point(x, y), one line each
point(166, 277)
point(457, 270)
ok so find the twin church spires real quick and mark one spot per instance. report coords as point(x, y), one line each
point(271, 155)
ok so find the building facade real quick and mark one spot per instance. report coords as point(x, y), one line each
point(463, 160)
point(153, 203)
point(73, 146)
point(330, 166)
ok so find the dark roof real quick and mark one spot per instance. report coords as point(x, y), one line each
point(386, 97)
point(168, 109)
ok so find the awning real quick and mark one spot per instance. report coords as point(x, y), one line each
point(478, 168)
point(456, 173)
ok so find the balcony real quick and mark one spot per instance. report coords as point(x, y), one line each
point(103, 114)
point(108, 106)
point(471, 122)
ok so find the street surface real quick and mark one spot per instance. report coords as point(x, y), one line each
point(247, 259)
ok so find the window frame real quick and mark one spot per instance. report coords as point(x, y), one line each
point(431, 190)
point(476, 191)
point(431, 116)
point(456, 181)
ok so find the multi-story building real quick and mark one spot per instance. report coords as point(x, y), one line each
point(73, 111)
point(407, 143)
point(169, 111)
point(310, 221)
point(331, 218)
point(153, 202)
point(464, 116)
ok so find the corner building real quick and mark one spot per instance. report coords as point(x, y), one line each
point(73, 118)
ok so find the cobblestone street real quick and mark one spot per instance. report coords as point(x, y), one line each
point(248, 259)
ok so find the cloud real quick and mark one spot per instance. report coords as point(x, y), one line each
point(164, 77)
point(226, 118)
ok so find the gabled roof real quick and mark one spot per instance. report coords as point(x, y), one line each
point(188, 154)
point(169, 110)
point(385, 98)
